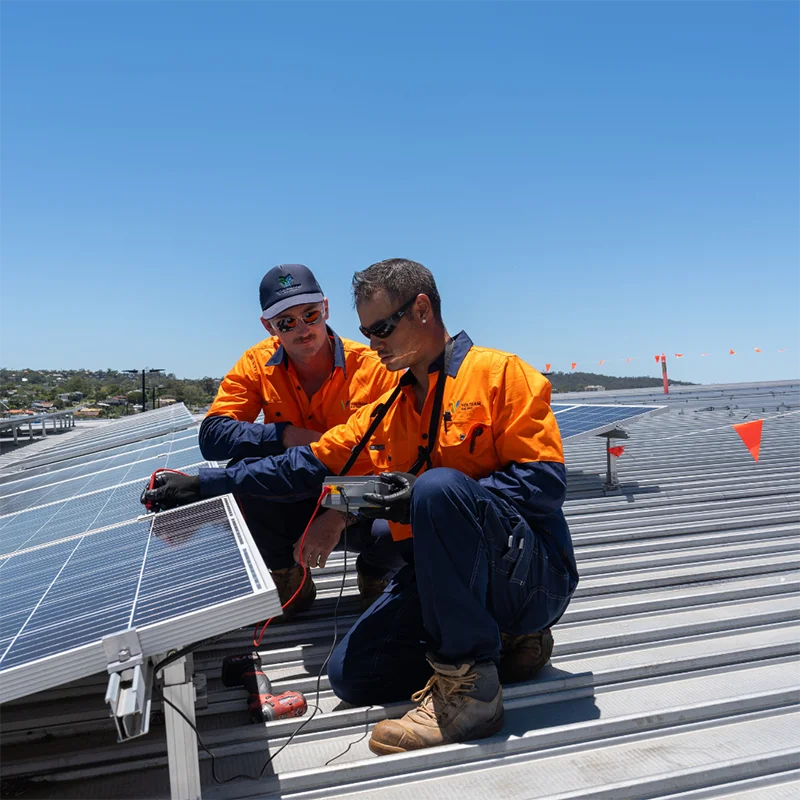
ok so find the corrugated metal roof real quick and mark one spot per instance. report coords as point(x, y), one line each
point(674, 674)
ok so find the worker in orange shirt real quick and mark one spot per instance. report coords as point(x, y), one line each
point(472, 449)
point(305, 379)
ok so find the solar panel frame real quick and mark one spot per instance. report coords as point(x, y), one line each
point(156, 637)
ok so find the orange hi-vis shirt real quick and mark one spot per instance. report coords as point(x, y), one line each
point(496, 410)
point(264, 379)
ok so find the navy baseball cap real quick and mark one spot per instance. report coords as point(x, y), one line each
point(285, 286)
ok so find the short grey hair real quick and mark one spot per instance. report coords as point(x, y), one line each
point(401, 279)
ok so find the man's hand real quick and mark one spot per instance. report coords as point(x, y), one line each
point(322, 537)
point(396, 507)
point(171, 490)
point(298, 437)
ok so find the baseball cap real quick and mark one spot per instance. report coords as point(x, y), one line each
point(285, 286)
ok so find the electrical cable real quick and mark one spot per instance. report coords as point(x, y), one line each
point(180, 653)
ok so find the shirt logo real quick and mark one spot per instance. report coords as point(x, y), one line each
point(464, 406)
point(285, 281)
point(454, 404)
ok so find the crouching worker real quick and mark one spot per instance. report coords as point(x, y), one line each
point(305, 379)
point(471, 446)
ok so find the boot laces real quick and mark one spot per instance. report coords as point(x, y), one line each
point(443, 687)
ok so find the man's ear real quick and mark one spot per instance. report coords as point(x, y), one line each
point(268, 327)
point(423, 307)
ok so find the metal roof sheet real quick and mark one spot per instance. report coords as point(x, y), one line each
point(674, 674)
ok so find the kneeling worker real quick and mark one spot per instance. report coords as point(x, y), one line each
point(305, 379)
point(492, 565)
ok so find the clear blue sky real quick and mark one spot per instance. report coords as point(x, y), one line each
point(586, 181)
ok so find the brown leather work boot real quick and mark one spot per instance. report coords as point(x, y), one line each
point(459, 703)
point(287, 582)
point(523, 656)
point(370, 589)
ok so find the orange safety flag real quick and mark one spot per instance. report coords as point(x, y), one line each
point(658, 358)
point(547, 367)
point(731, 352)
point(616, 451)
point(574, 364)
point(628, 359)
point(602, 362)
point(751, 435)
point(678, 355)
point(757, 349)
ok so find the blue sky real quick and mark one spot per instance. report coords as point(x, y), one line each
point(586, 181)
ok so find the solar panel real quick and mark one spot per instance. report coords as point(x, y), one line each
point(589, 419)
point(176, 577)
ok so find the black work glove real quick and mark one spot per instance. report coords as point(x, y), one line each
point(396, 507)
point(171, 490)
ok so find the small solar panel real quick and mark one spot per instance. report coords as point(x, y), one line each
point(176, 577)
point(588, 419)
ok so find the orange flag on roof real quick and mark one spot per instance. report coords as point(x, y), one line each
point(731, 352)
point(750, 433)
point(616, 451)
point(574, 364)
point(658, 358)
point(678, 355)
point(602, 362)
point(757, 349)
point(547, 367)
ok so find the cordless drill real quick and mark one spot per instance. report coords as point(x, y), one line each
point(245, 670)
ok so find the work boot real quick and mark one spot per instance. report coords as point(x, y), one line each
point(459, 703)
point(521, 657)
point(370, 589)
point(287, 582)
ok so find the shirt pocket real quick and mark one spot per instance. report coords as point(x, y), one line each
point(390, 456)
point(468, 446)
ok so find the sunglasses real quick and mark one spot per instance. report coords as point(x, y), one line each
point(383, 328)
point(288, 324)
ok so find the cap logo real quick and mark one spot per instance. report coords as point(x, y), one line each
point(285, 281)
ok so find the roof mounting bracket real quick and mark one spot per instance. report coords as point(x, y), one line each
point(612, 480)
point(130, 684)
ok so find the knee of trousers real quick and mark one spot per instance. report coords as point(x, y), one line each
point(441, 490)
point(346, 685)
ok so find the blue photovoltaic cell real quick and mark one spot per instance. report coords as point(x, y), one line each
point(72, 487)
point(574, 420)
point(38, 526)
point(73, 593)
point(83, 465)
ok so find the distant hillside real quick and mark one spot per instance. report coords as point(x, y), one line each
point(578, 381)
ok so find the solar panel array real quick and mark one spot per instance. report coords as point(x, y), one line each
point(79, 560)
point(113, 434)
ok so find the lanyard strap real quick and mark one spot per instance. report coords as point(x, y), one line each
point(424, 453)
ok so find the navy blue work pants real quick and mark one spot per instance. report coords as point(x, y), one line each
point(478, 569)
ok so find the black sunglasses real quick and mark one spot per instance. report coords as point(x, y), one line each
point(383, 328)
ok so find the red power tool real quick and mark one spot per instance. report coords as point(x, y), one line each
point(245, 670)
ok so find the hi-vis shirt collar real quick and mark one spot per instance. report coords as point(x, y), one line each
point(279, 357)
point(461, 346)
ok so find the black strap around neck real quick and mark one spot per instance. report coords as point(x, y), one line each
point(424, 453)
